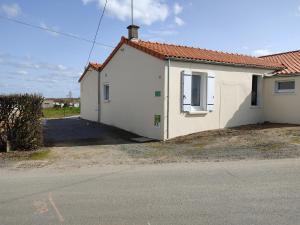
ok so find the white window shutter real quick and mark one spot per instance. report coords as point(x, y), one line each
point(186, 77)
point(210, 91)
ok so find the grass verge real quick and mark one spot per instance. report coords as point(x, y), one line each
point(61, 112)
point(44, 154)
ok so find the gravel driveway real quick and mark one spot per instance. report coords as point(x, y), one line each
point(79, 143)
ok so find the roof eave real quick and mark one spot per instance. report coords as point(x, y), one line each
point(286, 75)
point(223, 63)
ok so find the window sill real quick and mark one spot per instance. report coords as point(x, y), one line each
point(256, 107)
point(106, 101)
point(285, 93)
point(198, 112)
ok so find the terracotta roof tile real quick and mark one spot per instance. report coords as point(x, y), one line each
point(95, 66)
point(291, 60)
point(165, 51)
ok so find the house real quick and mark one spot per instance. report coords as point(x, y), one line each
point(163, 91)
point(60, 102)
point(48, 103)
point(90, 92)
point(282, 90)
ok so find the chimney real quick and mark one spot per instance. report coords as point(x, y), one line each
point(133, 33)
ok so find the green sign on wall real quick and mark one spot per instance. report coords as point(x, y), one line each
point(157, 120)
point(157, 94)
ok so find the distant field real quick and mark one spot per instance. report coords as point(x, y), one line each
point(61, 112)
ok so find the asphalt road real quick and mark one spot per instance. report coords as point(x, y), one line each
point(231, 193)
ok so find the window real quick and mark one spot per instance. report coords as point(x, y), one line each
point(285, 86)
point(198, 90)
point(256, 90)
point(106, 92)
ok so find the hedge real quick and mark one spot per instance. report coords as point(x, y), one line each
point(20, 121)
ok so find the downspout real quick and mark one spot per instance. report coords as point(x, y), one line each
point(99, 98)
point(168, 98)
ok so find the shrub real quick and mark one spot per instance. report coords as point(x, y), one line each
point(20, 121)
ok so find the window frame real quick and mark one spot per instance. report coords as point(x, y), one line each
point(105, 97)
point(278, 91)
point(203, 92)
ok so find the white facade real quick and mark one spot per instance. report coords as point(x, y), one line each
point(133, 77)
point(284, 106)
point(89, 108)
point(232, 99)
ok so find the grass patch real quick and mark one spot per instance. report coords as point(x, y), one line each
point(192, 152)
point(60, 112)
point(296, 140)
point(270, 146)
point(199, 146)
point(40, 155)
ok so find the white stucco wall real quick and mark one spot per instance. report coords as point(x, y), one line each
point(232, 99)
point(282, 107)
point(133, 77)
point(89, 96)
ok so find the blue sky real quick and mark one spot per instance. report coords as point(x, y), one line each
point(38, 61)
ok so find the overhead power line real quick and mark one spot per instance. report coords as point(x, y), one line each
point(54, 31)
point(99, 23)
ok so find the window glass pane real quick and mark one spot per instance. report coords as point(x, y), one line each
point(286, 85)
point(196, 84)
point(106, 92)
point(254, 94)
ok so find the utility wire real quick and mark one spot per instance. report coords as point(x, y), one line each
point(99, 23)
point(54, 31)
point(131, 12)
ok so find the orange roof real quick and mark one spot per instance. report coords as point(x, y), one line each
point(95, 66)
point(291, 60)
point(177, 52)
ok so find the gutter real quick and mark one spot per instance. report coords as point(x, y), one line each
point(283, 75)
point(168, 99)
point(99, 98)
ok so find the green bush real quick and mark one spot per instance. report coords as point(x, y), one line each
point(20, 121)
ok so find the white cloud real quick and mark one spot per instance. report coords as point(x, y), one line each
point(11, 10)
point(23, 64)
point(179, 21)
point(22, 72)
point(34, 76)
point(261, 52)
point(177, 9)
point(163, 32)
point(298, 11)
point(145, 11)
point(43, 25)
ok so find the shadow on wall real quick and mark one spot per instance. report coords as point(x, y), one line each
point(79, 132)
point(234, 114)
